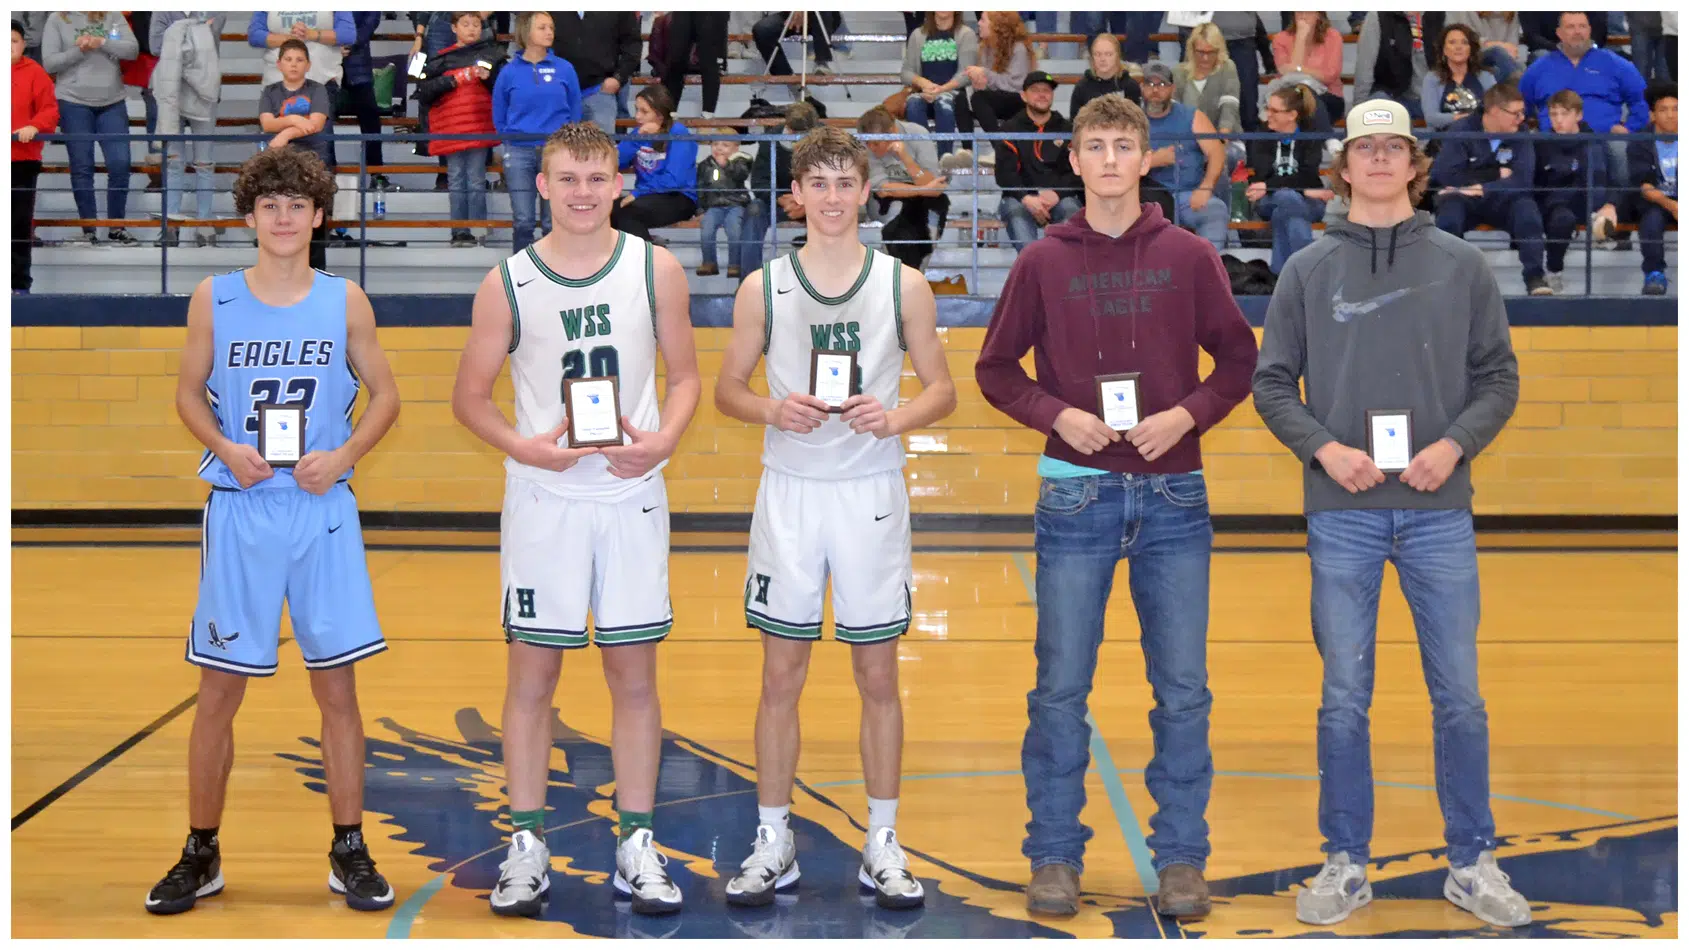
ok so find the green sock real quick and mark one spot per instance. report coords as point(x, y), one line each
point(531, 820)
point(632, 821)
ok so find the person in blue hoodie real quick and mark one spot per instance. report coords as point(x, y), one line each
point(666, 191)
point(1572, 183)
point(1653, 169)
point(536, 94)
point(1611, 88)
point(1489, 181)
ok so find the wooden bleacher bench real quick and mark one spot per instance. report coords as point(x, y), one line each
point(760, 79)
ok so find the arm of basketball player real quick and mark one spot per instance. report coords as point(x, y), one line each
point(926, 354)
point(490, 330)
point(318, 471)
point(248, 467)
point(681, 387)
point(798, 412)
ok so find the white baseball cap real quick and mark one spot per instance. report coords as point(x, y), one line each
point(1378, 117)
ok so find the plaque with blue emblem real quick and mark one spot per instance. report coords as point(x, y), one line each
point(595, 411)
point(1389, 438)
point(281, 434)
point(832, 376)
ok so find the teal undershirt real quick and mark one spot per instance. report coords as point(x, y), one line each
point(1056, 468)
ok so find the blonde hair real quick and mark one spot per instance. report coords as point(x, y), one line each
point(582, 140)
point(1112, 111)
point(1211, 34)
point(1416, 187)
point(525, 26)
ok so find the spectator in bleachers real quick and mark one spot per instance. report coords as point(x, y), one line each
point(1653, 168)
point(34, 111)
point(457, 85)
point(1244, 38)
point(724, 199)
point(1188, 168)
point(1005, 57)
point(821, 26)
point(1607, 82)
point(1137, 28)
point(33, 26)
point(1106, 74)
point(1454, 88)
point(187, 83)
point(904, 173)
point(1391, 59)
point(1499, 35)
point(1566, 170)
point(1284, 175)
point(535, 94)
point(1207, 80)
point(137, 72)
point(1038, 182)
point(1647, 44)
point(358, 69)
point(1491, 181)
point(295, 109)
point(935, 62)
point(666, 191)
point(324, 34)
point(706, 32)
point(81, 51)
point(776, 179)
point(1311, 46)
point(603, 46)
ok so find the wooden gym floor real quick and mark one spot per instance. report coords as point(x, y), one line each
point(1579, 657)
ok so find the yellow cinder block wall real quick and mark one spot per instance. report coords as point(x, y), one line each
point(94, 426)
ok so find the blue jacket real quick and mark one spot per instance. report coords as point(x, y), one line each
point(1564, 169)
point(1606, 81)
point(660, 171)
point(1463, 162)
point(357, 69)
point(536, 97)
point(258, 30)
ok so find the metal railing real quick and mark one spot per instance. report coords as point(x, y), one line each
point(770, 209)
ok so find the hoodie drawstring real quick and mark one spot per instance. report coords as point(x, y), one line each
point(1390, 262)
point(1373, 237)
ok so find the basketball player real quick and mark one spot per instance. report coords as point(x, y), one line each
point(832, 502)
point(1385, 313)
point(1118, 289)
point(280, 333)
point(584, 530)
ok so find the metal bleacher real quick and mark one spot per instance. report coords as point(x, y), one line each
point(416, 215)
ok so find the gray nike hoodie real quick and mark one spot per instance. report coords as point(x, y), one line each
point(1404, 317)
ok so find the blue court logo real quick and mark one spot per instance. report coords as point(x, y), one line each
point(834, 370)
point(1389, 431)
point(1119, 397)
point(593, 397)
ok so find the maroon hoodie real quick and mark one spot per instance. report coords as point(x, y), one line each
point(1092, 305)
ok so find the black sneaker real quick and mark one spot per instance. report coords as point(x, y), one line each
point(198, 874)
point(1538, 287)
point(352, 873)
point(122, 238)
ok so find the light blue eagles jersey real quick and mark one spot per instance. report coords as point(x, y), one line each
point(293, 356)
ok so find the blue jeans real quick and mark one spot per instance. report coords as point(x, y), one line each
point(466, 178)
point(1022, 227)
point(1212, 222)
point(1514, 211)
point(1083, 527)
point(741, 245)
point(1436, 557)
point(1648, 53)
point(175, 174)
point(1651, 235)
point(1292, 215)
point(942, 111)
point(1504, 66)
point(602, 108)
point(111, 124)
point(521, 168)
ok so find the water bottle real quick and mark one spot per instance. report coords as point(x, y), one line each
point(381, 199)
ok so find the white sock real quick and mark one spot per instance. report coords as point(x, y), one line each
point(882, 813)
point(778, 816)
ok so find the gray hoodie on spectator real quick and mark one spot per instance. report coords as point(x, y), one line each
point(1407, 317)
point(92, 79)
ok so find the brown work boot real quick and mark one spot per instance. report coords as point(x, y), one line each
point(1183, 892)
point(1054, 891)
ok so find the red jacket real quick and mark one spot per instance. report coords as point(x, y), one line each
point(138, 71)
point(33, 103)
point(466, 103)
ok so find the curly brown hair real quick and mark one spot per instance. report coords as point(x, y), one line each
point(284, 171)
point(1416, 188)
point(828, 147)
point(1007, 30)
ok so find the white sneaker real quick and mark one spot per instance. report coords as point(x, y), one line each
point(524, 877)
point(1483, 890)
point(773, 864)
point(1334, 893)
point(1556, 282)
point(641, 872)
point(885, 869)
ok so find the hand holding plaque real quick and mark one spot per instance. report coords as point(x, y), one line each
point(594, 408)
point(832, 377)
point(281, 434)
point(1117, 401)
point(1389, 438)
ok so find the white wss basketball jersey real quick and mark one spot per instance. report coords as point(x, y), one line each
point(798, 320)
point(603, 325)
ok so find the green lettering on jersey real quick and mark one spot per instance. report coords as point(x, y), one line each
point(586, 321)
point(837, 336)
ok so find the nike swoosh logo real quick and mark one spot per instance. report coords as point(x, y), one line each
point(335, 528)
point(1343, 310)
point(646, 511)
point(225, 302)
point(524, 283)
point(786, 291)
point(882, 517)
